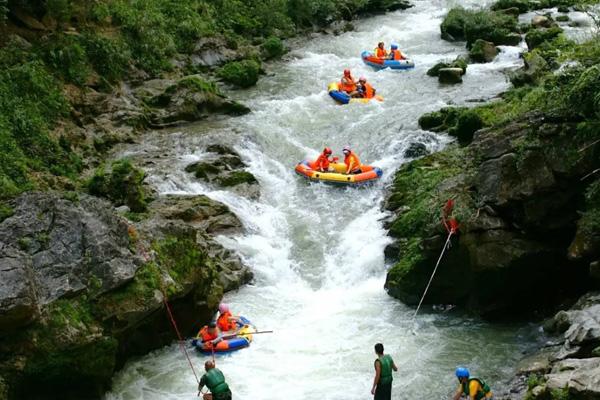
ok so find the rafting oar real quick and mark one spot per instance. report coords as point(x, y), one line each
point(237, 334)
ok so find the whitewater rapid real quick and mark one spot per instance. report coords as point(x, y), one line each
point(317, 251)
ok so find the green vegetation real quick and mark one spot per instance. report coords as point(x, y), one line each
point(527, 5)
point(459, 122)
point(590, 219)
point(273, 48)
point(122, 185)
point(236, 178)
point(469, 25)
point(535, 37)
point(240, 73)
point(458, 63)
point(5, 211)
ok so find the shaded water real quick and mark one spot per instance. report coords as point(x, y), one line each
point(317, 251)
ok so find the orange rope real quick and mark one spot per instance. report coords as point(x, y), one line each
point(181, 341)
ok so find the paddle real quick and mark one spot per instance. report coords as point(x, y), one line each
point(237, 334)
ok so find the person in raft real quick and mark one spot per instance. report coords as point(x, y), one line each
point(214, 380)
point(352, 161)
point(210, 334)
point(321, 164)
point(471, 388)
point(348, 85)
point(382, 383)
point(226, 322)
point(380, 51)
point(396, 54)
point(365, 89)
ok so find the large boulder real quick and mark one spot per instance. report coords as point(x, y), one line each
point(450, 75)
point(516, 200)
point(483, 51)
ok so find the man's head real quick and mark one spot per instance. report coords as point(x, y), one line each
point(212, 326)
point(379, 349)
point(362, 79)
point(346, 72)
point(209, 365)
point(462, 374)
point(380, 45)
point(346, 150)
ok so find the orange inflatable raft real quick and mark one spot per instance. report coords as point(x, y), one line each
point(337, 175)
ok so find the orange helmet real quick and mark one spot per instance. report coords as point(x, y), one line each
point(327, 151)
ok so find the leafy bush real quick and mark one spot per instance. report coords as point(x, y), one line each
point(65, 55)
point(61, 10)
point(273, 48)
point(522, 5)
point(109, 57)
point(240, 73)
point(535, 37)
point(584, 94)
point(495, 27)
point(122, 185)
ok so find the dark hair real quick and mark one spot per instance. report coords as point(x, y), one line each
point(212, 324)
point(379, 348)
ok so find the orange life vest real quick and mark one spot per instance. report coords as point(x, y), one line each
point(397, 55)
point(349, 85)
point(352, 162)
point(369, 92)
point(225, 323)
point(321, 163)
point(205, 335)
point(381, 53)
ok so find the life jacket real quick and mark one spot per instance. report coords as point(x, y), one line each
point(482, 390)
point(349, 86)
point(215, 381)
point(225, 323)
point(381, 53)
point(396, 55)
point(368, 91)
point(206, 336)
point(385, 376)
point(321, 163)
point(352, 160)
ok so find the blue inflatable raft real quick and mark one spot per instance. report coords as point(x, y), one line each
point(369, 59)
point(234, 341)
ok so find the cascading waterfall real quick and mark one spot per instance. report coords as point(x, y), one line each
point(317, 251)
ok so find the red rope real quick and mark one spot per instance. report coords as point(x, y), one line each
point(181, 341)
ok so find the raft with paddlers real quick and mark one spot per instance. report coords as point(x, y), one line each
point(337, 175)
point(380, 63)
point(343, 98)
point(233, 341)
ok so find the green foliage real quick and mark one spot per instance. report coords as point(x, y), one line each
point(467, 124)
point(431, 120)
point(535, 37)
point(478, 52)
point(3, 11)
point(522, 5)
point(273, 48)
point(495, 27)
point(5, 211)
point(109, 57)
point(534, 380)
point(458, 63)
point(66, 56)
point(590, 220)
point(180, 256)
point(61, 10)
point(30, 103)
point(584, 93)
point(240, 73)
point(122, 185)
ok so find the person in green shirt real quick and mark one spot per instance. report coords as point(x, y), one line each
point(214, 380)
point(382, 383)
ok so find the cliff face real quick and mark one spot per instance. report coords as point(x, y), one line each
point(82, 289)
point(520, 193)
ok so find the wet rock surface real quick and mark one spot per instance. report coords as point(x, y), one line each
point(223, 167)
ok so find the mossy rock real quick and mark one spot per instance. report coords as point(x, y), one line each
point(123, 185)
point(458, 63)
point(273, 48)
point(536, 37)
point(467, 124)
point(496, 27)
point(483, 51)
point(562, 18)
point(240, 73)
point(522, 5)
point(203, 170)
point(235, 178)
point(432, 120)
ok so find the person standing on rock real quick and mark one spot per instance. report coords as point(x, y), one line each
point(214, 380)
point(471, 388)
point(382, 383)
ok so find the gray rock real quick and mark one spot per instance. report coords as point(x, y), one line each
point(18, 302)
point(416, 150)
point(541, 21)
point(580, 377)
point(483, 51)
point(450, 75)
point(64, 245)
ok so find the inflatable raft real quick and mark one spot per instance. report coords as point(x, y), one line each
point(368, 174)
point(369, 59)
point(234, 341)
point(334, 91)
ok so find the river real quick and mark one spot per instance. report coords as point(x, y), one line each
point(317, 251)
